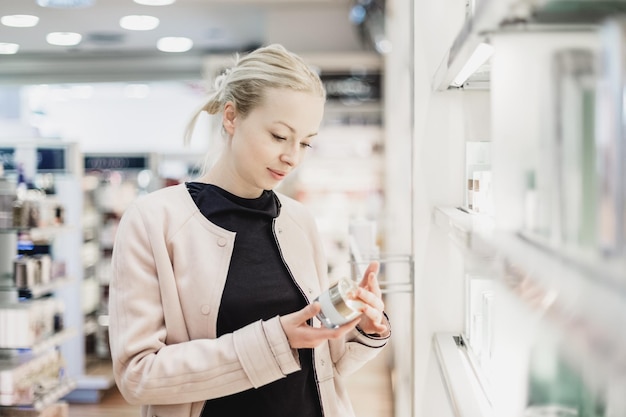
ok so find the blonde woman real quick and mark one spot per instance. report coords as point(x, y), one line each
point(212, 294)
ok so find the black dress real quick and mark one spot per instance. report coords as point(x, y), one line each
point(258, 287)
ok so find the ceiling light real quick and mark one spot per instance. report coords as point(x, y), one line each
point(20, 20)
point(358, 13)
point(63, 38)
point(136, 22)
point(480, 55)
point(8, 48)
point(174, 44)
point(155, 2)
point(65, 4)
point(383, 46)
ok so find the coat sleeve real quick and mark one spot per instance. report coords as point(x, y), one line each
point(148, 369)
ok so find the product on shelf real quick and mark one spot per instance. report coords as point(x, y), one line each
point(28, 379)
point(24, 324)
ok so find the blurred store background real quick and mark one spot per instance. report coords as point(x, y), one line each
point(476, 147)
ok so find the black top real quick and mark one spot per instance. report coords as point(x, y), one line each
point(258, 287)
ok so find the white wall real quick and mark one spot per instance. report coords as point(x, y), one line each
point(443, 122)
point(396, 226)
point(101, 117)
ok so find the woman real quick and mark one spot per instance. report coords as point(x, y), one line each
point(212, 295)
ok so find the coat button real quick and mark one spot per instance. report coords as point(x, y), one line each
point(205, 309)
point(221, 241)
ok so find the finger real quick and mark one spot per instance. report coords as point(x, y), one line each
point(380, 328)
point(312, 309)
point(376, 321)
point(372, 268)
point(371, 299)
point(375, 315)
point(374, 286)
point(323, 333)
point(307, 312)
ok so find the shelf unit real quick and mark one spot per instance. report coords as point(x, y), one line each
point(535, 273)
point(33, 376)
point(485, 18)
point(109, 183)
point(556, 301)
point(65, 171)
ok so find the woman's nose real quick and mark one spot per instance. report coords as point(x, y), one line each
point(290, 155)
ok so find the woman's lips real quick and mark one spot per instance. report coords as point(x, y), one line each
point(278, 175)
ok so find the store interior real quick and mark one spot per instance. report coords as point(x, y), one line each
point(85, 130)
point(476, 148)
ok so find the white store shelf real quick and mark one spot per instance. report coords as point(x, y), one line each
point(492, 16)
point(50, 342)
point(43, 289)
point(55, 340)
point(467, 395)
point(584, 300)
point(54, 395)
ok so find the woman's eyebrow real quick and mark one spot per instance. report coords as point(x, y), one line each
point(294, 130)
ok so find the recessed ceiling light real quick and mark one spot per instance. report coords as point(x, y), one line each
point(63, 38)
point(136, 22)
point(174, 44)
point(155, 2)
point(65, 4)
point(20, 20)
point(8, 48)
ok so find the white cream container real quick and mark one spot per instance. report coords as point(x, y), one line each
point(337, 306)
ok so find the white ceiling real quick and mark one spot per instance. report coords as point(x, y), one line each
point(108, 52)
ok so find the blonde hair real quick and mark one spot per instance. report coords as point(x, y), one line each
point(245, 83)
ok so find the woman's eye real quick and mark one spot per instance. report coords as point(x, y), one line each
point(277, 137)
point(305, 145)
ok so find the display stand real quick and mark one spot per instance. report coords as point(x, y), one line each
point(551, 290)
point(90, 383)
point(33, 374)
point(59, 163)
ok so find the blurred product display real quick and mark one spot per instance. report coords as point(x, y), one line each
point(32, 327)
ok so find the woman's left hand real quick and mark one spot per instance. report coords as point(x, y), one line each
point(373, 320)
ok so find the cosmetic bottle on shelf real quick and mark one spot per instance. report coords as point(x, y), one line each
point(611, 139)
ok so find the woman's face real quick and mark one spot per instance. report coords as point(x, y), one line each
point(270, 142)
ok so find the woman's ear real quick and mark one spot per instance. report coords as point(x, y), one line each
point(228, 118)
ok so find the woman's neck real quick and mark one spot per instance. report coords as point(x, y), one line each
point(220, 175)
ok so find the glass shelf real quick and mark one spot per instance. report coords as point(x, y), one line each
point(526, 16)
point(43, 289)
point(467, 391)
point(586, 303)
point(50, 342)
point(48, 398)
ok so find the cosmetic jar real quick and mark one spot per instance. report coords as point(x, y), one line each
point(337, 304)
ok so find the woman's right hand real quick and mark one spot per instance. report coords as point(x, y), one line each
point(301, 335)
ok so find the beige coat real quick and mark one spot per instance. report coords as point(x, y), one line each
point(169, 268)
